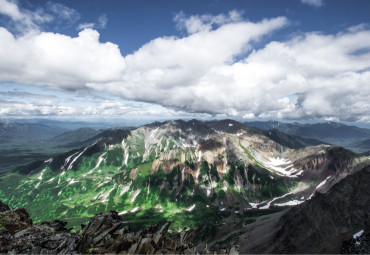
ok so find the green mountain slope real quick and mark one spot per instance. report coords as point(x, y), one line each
point(185, 172)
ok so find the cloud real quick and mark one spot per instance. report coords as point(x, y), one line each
point(85, 25)
point(23, 20)
point(102, 21)
point(315, 3)
point(62, 13)
point(213, 69)
point(301, 78)
point(198, 23)
point(59, 61)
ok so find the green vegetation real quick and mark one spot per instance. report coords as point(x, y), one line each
point(100, 181)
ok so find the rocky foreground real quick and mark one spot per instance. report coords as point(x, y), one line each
point(105, 233)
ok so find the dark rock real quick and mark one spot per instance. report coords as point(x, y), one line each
point(57, 225)
point(3, 207)
point(360, 245)
point(105, 233)
point(323, 223)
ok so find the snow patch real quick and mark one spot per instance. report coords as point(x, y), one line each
point(101, 184)
point(126, 157)
point(50, 180)
point(124, 189)
point(200, 156)
point(290, 203)
point(100, 159)
point(190, 208)
point(74, 160)
point(135, 209)
point(254, 205)
point(106, 194)
point(323, 182)
point(358, 234)
point(123, 143)
point(123, 212)
point(222, 209)
point(208, 192)
point(135, 195)
point(42, 172)
point(153, 132)
point(311, 196)
point(276, 198)
point(230, 124)
point(49, 161)
point(68, 159)
point(71, 181)
point(282, 166)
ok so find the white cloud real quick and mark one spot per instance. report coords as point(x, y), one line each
point(316, 3)
point(23, 20)
point(311, 76)
point(62, 13)
point(198, 23)
point(59, 61)
point(102, 21)
point(85, 25)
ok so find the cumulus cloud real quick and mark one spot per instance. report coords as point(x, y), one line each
point(311, 76)
point(315, 3)
point(59, 61)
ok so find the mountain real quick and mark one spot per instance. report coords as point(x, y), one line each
point(73, 138)
point(77, 124)
point(325, 224)
point(350, 137)
point(207, 176)
point(364, 144)
point(293, 142)
point(24, 147)
point(13, 132)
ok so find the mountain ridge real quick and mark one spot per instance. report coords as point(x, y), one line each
point(185, 172)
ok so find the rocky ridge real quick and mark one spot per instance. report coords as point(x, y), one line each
point(105, 233)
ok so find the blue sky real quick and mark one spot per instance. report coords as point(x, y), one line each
point(295, 60)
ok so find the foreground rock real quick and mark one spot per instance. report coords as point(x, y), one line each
point(19, 235)
point(328, 219)
point(105, 233)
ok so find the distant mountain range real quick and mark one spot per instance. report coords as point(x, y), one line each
point(350, 137)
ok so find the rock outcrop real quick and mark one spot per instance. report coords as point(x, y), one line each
point(324, 223)
point(19, 235)
point(105, 233)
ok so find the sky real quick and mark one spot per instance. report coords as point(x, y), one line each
point(292, 60)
